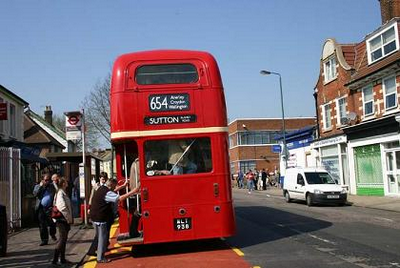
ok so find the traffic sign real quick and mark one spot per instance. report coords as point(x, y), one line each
point(276, 148)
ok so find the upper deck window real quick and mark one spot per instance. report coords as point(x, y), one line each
point(166, 74)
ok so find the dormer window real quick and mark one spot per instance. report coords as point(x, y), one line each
point(330, 69)
point(382, 44)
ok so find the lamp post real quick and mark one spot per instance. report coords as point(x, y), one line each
point(284, 149)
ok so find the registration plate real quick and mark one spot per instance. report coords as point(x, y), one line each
point(183, 224)
point(332, 197)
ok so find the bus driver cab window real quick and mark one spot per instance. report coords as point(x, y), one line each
point(177, 157)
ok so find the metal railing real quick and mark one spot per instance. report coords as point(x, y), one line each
point(10, 185)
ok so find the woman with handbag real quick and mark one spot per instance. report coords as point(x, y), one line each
point(62, 215)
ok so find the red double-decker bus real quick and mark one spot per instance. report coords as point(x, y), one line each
point(169, 129)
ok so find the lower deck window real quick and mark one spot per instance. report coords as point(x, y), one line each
point(178, 156)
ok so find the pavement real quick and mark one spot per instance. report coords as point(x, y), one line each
point(24, 250)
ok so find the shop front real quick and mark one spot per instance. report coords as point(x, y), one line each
point(333, 156)
point(374, 157)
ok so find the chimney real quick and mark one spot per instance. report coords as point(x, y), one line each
point(48, 115)
point(389, 9)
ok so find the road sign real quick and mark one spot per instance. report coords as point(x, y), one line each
point(73, 124)
point(73, 120)
point(276, 148)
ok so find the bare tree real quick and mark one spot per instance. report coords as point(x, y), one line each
point(59, 121)
point(97, 113)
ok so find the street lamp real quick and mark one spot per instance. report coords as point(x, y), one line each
point(284, 150)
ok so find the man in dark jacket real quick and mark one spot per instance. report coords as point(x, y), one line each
point(100, 211)
point(44, 193)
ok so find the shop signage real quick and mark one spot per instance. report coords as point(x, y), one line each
point(330, 141)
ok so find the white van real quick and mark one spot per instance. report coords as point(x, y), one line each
point(314, 185)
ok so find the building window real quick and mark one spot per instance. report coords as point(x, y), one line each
point(326, 116)
point(13, 123)
point(231, 141)
point(389, 89)
point(368, 100)
point(1, 121)
point(256, 137)
point(330, 69)
point(383, 44)
point(341, 111)
point(245, 166)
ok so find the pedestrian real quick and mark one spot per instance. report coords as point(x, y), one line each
point(259, 181)
point(63, 204)
point(250, 181)
point(264, 175)
point(240, 179)
point(103, 178)
point(55, 179)
point(100, 213)
point(44, 193)
point(255, 180)
point(134, 183)
point(96, 185)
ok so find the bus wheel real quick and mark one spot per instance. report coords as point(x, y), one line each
point(309, 200)
point(287, 197)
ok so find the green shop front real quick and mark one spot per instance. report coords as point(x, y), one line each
point(374, 157)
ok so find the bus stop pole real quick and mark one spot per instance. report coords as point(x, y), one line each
point(84, 163)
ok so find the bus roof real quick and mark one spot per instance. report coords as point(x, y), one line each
point(147, 57)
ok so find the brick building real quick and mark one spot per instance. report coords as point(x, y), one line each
point(251, 141)
point(358, 109)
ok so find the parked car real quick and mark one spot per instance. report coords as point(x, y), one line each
point(313, 185)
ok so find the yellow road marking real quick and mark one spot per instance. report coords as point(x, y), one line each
point(113, 230)
point(91, 263)
point(238, 251)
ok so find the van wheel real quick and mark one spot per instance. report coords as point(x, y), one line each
point(287, 197)
point(309, 200)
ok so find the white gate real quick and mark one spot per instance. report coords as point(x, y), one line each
point(10, 184)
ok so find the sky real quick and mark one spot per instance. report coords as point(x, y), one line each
point(55, 52)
